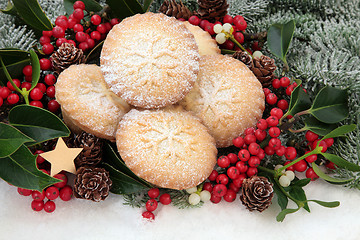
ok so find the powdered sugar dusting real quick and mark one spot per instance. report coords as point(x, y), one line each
point(150, 60)
point(168, 147)
point(227, 97)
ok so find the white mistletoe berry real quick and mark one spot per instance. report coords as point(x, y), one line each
point(227, 27)
point(205, 196)
point(218, 28)
point(220, 38)
point(284, 181)
point(194, 198)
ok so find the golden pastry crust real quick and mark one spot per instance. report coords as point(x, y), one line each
point(167, 147)
point(227, 97)
point(87, 102)
point(150, 60)
point(206, 44)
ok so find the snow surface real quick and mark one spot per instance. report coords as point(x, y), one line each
point(110, 219)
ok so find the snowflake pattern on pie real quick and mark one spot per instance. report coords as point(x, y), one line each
point(227, 97)
point(168, 147)
point(150, 60)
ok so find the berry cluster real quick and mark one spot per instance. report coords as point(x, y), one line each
point(152, 203)
point(60, 189)
point(197, 195)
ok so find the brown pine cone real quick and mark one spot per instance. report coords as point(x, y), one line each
point(173, 9)
point(257, 193)
point(92, 184)
point(91, 154)
point(212, 10)
point(243, 57)
point(66, 55)
point(264, 68)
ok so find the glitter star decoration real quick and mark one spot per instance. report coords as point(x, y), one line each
point(61, 158)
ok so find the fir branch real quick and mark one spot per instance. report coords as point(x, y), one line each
point(136, 200)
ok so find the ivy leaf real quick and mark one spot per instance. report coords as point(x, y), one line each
point(279, 38)
point(125, 8)
point(326, 204)
point(11, 139)
point(122, 183)
point(35, 64)
point(281, 216)
point(320, 128)
point(299, 101)
point(19, 169)
point(15, 60)
point(299, 194)
point(340, 131)
point(330, 105)
point(90, 5)
point(322, 175)
point(37, 123)
point(341, 162)
point(32, 14)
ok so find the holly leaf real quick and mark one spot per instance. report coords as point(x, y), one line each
point(125, 8)
point(37, 123)
point(11, 139)
point(14, 60)
point(122, 183)
point(35, 64)
point(90, 5)
point(19, 169)
point(322, 175)
point(340, 162)
point(330, 105)
point(32, 14)
point(320, 128)
point(281, 216)
point(299, 101)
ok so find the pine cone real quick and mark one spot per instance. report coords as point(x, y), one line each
point(91, 154)
point(257, 193)
point(243, 57)
point(66, 55)
point(212, 10)
point(173, 9)
point(92, 183)
point(264, 68)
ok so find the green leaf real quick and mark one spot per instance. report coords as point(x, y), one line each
point(281, 216)
point(15, 60)
point(19, 169)
point(32, 14)
point(10, 9)
point(37, 123)
point(90, 5)
point(11, 139)
point(125, 8)
point(146, 5)
point(112, 158)
point(35, 64)
point(299, 194)
point(122, 183)
point(279, 38)
point(330, 105)
point(340, 162)
point(340, 131)
point(299, 101)
point(95, 52)
point(326, 204)
point(320, 128)
point(301, 182)
point(322, 175)
point(281, 197)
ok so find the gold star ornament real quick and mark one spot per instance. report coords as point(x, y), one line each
point(61, 158)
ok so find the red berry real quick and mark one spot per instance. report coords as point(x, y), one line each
point(232, 157)
point(36, 104)
point(260, 134)
point(26, 85)
point(84, 46)
point(239, 37)
point(228, 19)
point(47, 33)
point(154, 193)
point(72, 42)
point(27, 70)
point(58, 32)
point(219, 190)
point(37, 205)
point(78, 28)
point(90, 42)
point(284, 81)
point(208, 187)
point(222, 179)
point(277, 112)
point(151, 205)
point(272, 121)
point(215, 199)
point(148, 215)
point(289, 90)
point(238, 181)
point(53, 105)
point(210, 28)
point(311, 136)
point(310, 173)
point(311, 158)
point(16, 82)
point(95, 19)
point(4, 92)
point(45, 64)
point(266, 91)
point(41, 86)
point(249, 131)
point(63, 179)
point(254, 148)
point(254, 161)
point(194, 20)
point(240, 23)
point(39, 159)
point(101, 28)
point(114, 21)
point(330, 165)
point(49, 206)
point(62, 22)
point(322, 144)
point(244, 155)
point(66, 193)
point(329, 142)
point(275, 143)
point(300, 166)
point(238, 142)
point(213, 175)
point(38, 196)
point(290, 153)
point(230, 195)
point(95, 35)
point(51, 193)
point(228, 44)
point(233, 187)
point(48, 48)
point(36, 94)
point(1, 102)
point(44, 39)
point(80, 37)
point(223, 161)
point(291, 168)
point(50, 91)
point(280, 151)
point(249, 139)
point(71, 23)
point(274, 132)
point(282, 104)
point(78, 13)
point(251, 171)
point(261, 154)
point(271, 98)
point(60, 41)
point(24, 192)
point(79, 4)
point(165, 199)
point(45, 171)
point(269, 150)
point(262, 124)
point(50, 79)
point(13, 99)
point(242, 166)
point(276, 83)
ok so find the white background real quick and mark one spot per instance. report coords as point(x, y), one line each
point(110, 219)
